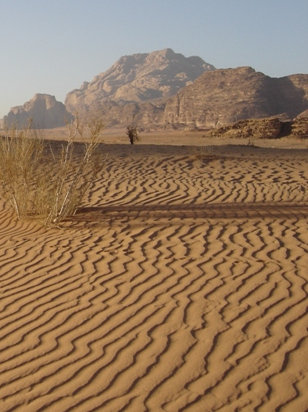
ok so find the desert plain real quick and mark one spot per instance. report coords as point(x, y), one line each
point(180, 284)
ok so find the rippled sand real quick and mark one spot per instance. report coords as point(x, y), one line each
point(180, 285)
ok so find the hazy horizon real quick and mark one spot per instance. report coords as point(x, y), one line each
point(53, 47)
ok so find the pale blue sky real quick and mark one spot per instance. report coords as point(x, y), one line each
point(52, 46)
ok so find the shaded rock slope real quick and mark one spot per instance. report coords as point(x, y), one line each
point(224, 96)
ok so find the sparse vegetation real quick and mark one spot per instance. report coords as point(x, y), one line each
point(132, 133)
point(206, 153)
point(45, 182)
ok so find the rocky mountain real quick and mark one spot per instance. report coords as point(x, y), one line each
point(224, 96)
point(136, 79)
point(44, 111)
point(158, 90)
point(164, 89)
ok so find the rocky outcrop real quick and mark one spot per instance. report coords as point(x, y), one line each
point(224, 96)
point(300, 125)
point(125, 93)
point(134, 80)
point(303, 115)
point(266, 128)
point(44, 111)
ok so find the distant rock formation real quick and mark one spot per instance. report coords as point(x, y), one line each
point(300, 125)
point(224, 96)
point(43, 110)
point(164, 89)
point(266, 128)
point(134, 80)
point(292, 93)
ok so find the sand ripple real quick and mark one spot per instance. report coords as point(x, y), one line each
point(181, 285)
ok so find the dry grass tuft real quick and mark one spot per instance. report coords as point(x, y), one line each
point(45, 183)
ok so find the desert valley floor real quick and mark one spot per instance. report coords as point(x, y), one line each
point(181, 285)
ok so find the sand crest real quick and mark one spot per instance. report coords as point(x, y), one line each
point(180, 285)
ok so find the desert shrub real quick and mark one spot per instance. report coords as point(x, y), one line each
point(46, 182)
point(20, 155)
point(206, 153)
point(132, 133)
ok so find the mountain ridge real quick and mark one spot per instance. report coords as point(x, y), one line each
point(164, 89)
point(225, 96)
point(138, 78)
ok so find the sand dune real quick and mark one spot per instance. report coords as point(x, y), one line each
point(180, 285)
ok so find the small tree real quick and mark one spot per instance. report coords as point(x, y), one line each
point(132, 133)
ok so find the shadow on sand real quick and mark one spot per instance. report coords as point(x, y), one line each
point(205, 210)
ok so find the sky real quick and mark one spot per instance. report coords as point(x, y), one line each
point(53, 46)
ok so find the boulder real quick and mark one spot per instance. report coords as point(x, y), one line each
point(300, 125)
point(266, 128)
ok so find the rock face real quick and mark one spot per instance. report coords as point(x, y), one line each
point(134, 80)
point(164, 89)
point(292, 93)
point(224, 96)
point(267, 128)
point(303, 115)
point(44, 111)
point(300, 125)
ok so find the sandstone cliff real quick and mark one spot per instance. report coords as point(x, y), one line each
point(135, 79)
point(44, 111)
point(224, 96)
point(158, 90)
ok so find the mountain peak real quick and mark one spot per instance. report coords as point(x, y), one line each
point(138, 78)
